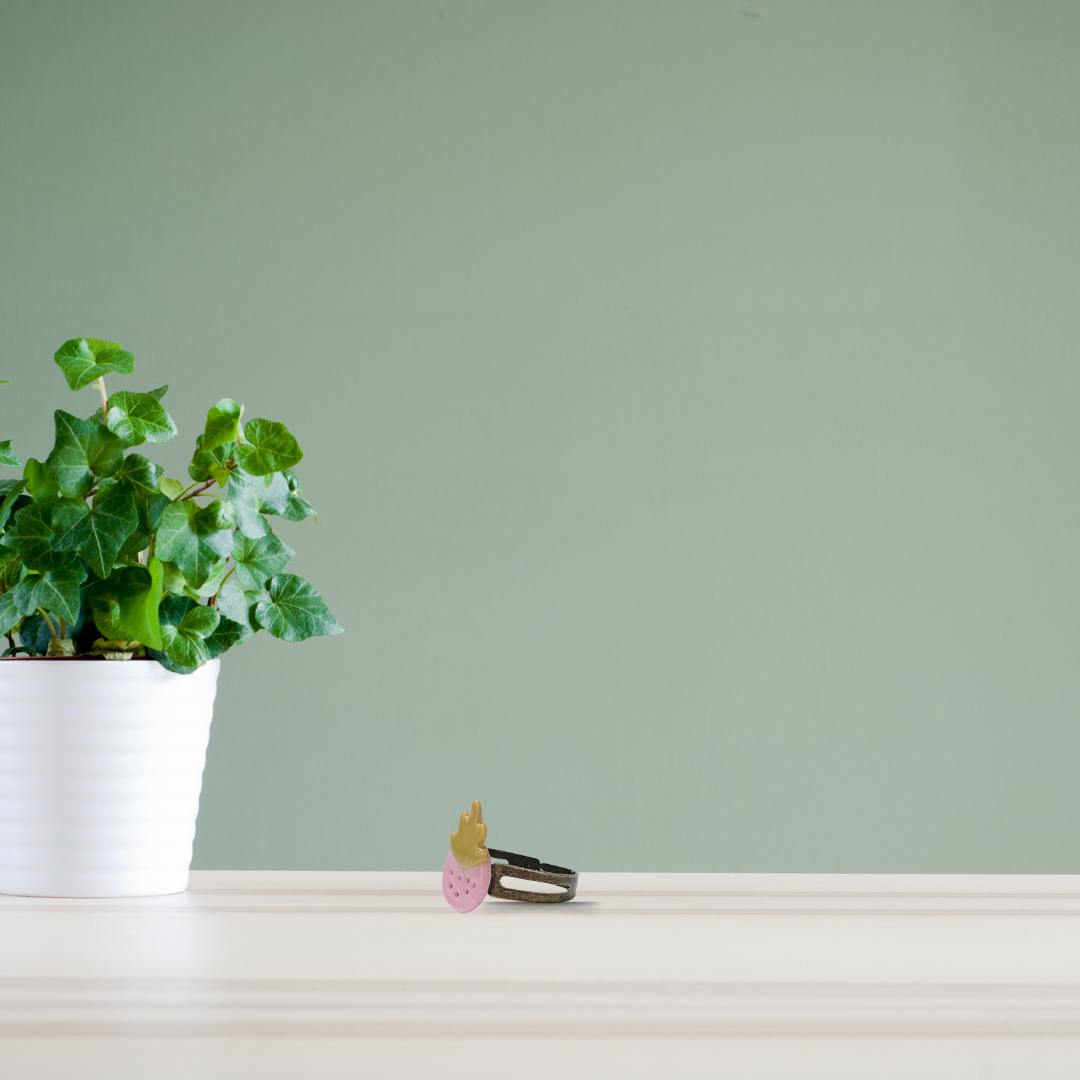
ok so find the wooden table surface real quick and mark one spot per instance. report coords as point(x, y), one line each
point(274, 974)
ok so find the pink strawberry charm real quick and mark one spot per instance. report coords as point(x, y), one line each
point(467, 872)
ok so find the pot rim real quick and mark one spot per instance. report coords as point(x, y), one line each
point(91, 659)
point(95, 670)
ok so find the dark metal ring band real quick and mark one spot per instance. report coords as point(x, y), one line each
point(526, 868)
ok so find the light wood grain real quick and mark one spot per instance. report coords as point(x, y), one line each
point(650, 967)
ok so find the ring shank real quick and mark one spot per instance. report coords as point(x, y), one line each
point(526, 868)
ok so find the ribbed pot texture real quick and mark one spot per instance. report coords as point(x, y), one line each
point(101, 766)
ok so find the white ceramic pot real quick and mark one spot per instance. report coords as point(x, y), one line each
point(101, 766)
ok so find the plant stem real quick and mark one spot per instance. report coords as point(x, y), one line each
point(100, 384)
point(188, 494)
point(48, 622)
point(212, 602)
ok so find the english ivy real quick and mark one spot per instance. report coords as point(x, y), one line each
point(102, 554)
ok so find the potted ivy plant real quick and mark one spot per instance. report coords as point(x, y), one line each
point(120, 588)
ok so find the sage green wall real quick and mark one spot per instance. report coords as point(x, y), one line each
point(690, 391)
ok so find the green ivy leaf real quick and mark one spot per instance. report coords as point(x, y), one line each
point(31, 535)
point(193, 540)
point(20, 596)
point(143, 475)
point(9, 612)
point(84, 449)
point(222, 424)
point(10, 569)
point(212, 584)
point(170, 488)
point(277, 493)
point(137, 418)
point(288, 499)
point(226, 634)
point(144, 479)
point(295, 611)
point(267, 447)
point(239, 604)
point(41, 481)
point(159, 391)
point(7, 455)
point(216, 515)
point(245, 497)
point(56, 591)
point(252, 495)
point(298, 508)
point(35, 635)
point(97, 533)
point(259, 560)
point(174, 583)
point(274, 493)
point(140, 609)
point(125, 605)
point(10, 490)
point(185, 626)
point(85, 359)
point(211, 464)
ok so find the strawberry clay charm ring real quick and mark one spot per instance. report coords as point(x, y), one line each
point(469, 874)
